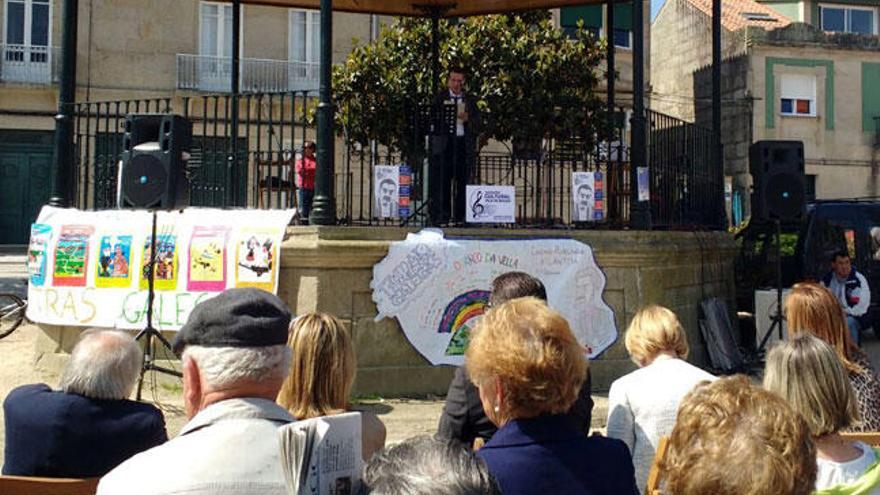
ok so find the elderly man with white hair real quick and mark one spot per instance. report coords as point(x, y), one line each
point(235, 358)
point(89, 426)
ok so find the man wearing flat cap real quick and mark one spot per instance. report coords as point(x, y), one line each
point(235, 358)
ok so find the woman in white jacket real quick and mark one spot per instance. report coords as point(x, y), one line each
point(642, 405)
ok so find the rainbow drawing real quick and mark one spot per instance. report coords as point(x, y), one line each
point(458, 318)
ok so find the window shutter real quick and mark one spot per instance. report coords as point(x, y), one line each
point(591, 14)
point(623, 16)
point(798, 86)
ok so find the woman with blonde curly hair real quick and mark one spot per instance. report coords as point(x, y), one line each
point(734, 438)
point(806, 372)
point(322, 371)
point(642, 404)
point(811, 308)
point(529, 367)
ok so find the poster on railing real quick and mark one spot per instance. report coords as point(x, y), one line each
point(643, 182)
point(437, 288)
point(386, 191)
point(490, 204)
point(587, 196)
point(91, 268)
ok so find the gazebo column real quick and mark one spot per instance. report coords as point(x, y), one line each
point(234, 162)
point(717, 150)
point(640, 213)
point(63, 159)
point(324, 205)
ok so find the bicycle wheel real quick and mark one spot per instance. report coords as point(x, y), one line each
point(11, 313)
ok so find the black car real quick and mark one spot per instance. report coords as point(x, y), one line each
point(807, 247)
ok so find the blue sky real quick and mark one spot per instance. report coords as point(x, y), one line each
point(655, 6)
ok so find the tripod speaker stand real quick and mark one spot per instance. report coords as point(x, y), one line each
point(776, 318)
point(149, 332)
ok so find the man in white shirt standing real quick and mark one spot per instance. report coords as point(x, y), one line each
point(850, 288)
point(453, 150)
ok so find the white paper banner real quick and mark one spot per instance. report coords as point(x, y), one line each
point(89, 267)
point(386, 184)
point(644, 186)
point(490, 204)
point(583, 196)
point(437, 288)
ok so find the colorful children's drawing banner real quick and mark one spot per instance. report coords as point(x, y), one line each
point(91, 268)
point(437, 288)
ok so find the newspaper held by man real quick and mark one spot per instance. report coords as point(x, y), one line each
point(322, 456)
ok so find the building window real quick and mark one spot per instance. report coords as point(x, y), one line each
point(623, 38)
point(215, 30)
point(810, 187)
point(27, 30)
point(848, 19)
point(798, 95)
point(304, 38)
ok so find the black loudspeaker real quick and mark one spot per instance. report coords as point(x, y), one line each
point(779, 191)
point(152, 174)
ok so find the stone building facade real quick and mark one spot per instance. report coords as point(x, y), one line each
point(805, 70)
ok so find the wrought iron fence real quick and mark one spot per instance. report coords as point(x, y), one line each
point(686, 186)
point(251, 163)
point(245, 163)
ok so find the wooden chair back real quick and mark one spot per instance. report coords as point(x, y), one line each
point(871, 438)
point(653, 485)
point(29, 485)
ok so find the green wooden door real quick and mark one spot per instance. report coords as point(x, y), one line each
point(25, 184)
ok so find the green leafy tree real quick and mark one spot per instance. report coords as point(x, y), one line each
point(531, 80)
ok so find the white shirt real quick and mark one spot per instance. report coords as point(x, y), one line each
point(642, 406)
point(230, 447)
point(838, 288)
point(459, 124)
point(832, 473)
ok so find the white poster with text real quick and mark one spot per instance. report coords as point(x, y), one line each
point(437, 288)
point(490, 204)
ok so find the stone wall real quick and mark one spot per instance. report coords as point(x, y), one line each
point(329, 269)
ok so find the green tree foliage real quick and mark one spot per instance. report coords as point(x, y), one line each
point(530, 79)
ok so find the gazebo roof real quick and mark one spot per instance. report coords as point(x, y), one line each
point(447, 8)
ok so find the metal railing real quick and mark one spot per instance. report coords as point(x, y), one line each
point(685, 192)
point(686, 187)
point(29, 64)
point(213, 74)
point(270, 129)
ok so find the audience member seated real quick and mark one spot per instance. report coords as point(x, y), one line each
point(813, 309)
point(88, 427)
point(806, 372)
point(428, 466)
point(642, 404)
point(234, 360)
point(529, 367)
point(734, 438)
point(463, 418)
point(322, 373)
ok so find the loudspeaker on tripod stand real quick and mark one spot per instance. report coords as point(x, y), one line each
point(152, 173)
point(779, 192)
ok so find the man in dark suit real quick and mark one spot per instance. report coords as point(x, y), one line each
point(463, 418)
point(453, 149)
point(88, 427)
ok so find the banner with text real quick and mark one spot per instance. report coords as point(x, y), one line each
point(90, 268)
point(437, 288)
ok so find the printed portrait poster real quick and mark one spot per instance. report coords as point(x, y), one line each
point(114, 261)
point(386, 191)
point(583, 196)
point(38, 253)
point(72, 255)
point(165, 263)
point(490, 204)
point(207, 259)
point(257, 258)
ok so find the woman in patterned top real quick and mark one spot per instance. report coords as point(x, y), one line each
point(812, 308)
